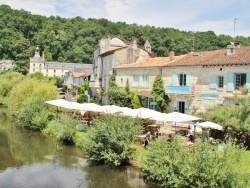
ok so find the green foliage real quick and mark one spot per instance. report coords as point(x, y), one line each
point(58, 81)
point(82, 98)
point(234, 116)
point(30, 88)
point(118, 96)
point(136, 100)
point(158, 92)
point(74, 40)
point(176, 165)
point(63, 128)
point(8, 81)
point(110, 139)
point(34, 113)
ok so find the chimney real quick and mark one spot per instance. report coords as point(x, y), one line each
point(230, 49)
point(171, 55)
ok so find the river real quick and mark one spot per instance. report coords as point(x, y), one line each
point(29, 159)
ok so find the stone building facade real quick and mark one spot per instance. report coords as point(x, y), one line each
point(111, 52)
point(5, 65)
point(194, 82)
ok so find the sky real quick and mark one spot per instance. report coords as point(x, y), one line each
point(229, 17)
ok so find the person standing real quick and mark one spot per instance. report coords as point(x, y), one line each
point(191, 134)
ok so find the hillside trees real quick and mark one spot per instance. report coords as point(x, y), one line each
point(75, 39)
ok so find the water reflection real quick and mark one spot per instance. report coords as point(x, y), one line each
point(30, 159)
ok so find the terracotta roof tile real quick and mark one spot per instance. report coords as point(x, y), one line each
point(84, 73)
point(152, 62)
point(217, 57)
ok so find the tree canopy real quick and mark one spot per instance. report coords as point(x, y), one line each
point(74, 39)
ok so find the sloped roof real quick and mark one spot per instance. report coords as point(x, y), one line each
point(152, 62)
point(85, 73)
point(216, 57)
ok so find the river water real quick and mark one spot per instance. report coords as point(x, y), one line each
point(29, 159)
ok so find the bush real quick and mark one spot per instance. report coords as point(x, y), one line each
point(82, 98)
point(34, 114)
point(202, 165)
point(110, 139)
point(63, 128)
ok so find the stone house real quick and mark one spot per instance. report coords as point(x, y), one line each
point(111, 52)
point(5, 65)
point(52, 69)
point(195, 81)
point(76, 77)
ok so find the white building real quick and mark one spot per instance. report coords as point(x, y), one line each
point(52, 69)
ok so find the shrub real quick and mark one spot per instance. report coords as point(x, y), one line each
point(63, 128)
point(110, 139)
point(34, 114)
point(202, 165)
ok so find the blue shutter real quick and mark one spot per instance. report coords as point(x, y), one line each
point(188, 79)
point(230, 81)
point(213, 82)
point(175, 106)
point(174, 79)
point(186, 107)
point(248, 80)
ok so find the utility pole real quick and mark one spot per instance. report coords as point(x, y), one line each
point(234, 27)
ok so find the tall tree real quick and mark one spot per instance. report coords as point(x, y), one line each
point(158, 93)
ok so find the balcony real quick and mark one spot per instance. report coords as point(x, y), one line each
point(179, 90)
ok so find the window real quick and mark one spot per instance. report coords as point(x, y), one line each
point(46, 70)
point(40, 65)
point(33, 70)
point(145, 80)
point(220, 81)
point(183, 79)
point(136, 80)
point(34, 64)
point(122, 81)
point(240, 80)
point(54, 71)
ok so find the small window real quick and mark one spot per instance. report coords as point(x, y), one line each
point(40, 65)
point(34, 64)
point(136, 80)
point(122, 81)
point(183, 79)
point(54, 71)
point(220, 81)
point(33, 70)
point(145, 80)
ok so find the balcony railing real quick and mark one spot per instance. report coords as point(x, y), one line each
point(178, 90)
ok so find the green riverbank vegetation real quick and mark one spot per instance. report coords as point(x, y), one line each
point(111, 138)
